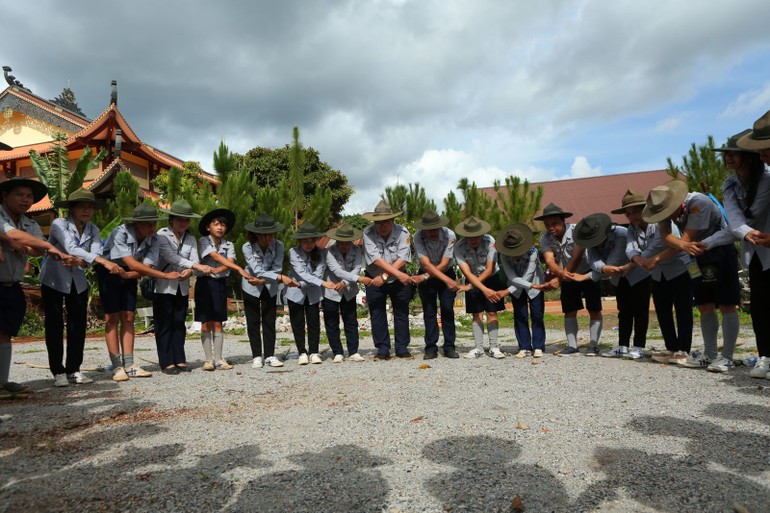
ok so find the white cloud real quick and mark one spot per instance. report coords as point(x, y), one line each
point(581, 168)
point(669, 124)
point(751, 102)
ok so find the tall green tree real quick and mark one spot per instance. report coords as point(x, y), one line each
point(53, 169)
point(703, 168)
point(409, 199)
point(296, 175)
point(170, 185)
point(269, 166)
point(127, 197)
point(518, 202)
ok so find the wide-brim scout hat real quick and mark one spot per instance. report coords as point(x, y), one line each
point(144, 212)
point(229, 215)
point(39, 190)
point(79, 196)
point(631, 198)
point(472, 227)
point(430, 220)
point(264, 223)
point(759, 137)
point(732, 143)
point(307, 231)
point(345, 233)
point(592, 230)
point(664, 200)
point(382, 212)
point(181, 208)
point(552, 209)
point(515, 240)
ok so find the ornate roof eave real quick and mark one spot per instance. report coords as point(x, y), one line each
point(42, 103)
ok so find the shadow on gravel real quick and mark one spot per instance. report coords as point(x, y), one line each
point(488, 479)
point(693, 482)
point(748, 412)
point(340, 479)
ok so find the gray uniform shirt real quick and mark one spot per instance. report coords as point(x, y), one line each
point(122, 243)
point(742, 219)
point(265, 264)
point(562, 249)
point(651, 244)
point(396, 247)
point(309, 276)
point(175, 256)
point(343, 268)
point(206, 247)
point(12, 268)
point(65, 236)
point(435, 250)
point(702, 214)
point(612, 252)
point(477, 258)
point(522, 272)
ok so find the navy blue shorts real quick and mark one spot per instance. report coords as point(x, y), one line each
point(13, 304)
point(210, 299)
point(116, 293)
point(477, 302)
point(718, 282)
point(573, 293)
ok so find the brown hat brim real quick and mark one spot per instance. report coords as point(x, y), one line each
point(679, 192)
point(378, 216)
point(622, 210)
point(747, 142)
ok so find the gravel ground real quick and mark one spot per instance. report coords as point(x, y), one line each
point(559, 434)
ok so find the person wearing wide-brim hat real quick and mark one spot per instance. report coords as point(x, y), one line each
point(178, 252)
point(20, 237)
point(643, 244)
point(67, 285)
point(263, 254)
point(564, 259)
point(746, 196)
point(714, 271)
point(606, 245)
point(386, 253)
point(520, 262)
point(436, 282)
point(211, 290)
point(308, 268)
point(477, 259)
point(135, 247)
point(434, 248)
point(758, 138)
point(343, 268)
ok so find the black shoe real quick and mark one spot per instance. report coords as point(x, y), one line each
point(406, 356)
point(171, 371)
point(569, 350)
point(430, 356)
point(184, 368)
point(382, 357)
point(451, 353)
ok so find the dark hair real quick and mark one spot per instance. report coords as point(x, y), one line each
point(220, 220)
point(251, 237)
point(753, 164)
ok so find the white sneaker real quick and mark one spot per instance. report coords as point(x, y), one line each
point(697, 360)
point(256, 363)
point(474, 353)
point(355, 357)
point(538, 353)
point(634, 353)
point(665, 356)
point(496, 353)
point(78, 378)
point(315, 358)
point(721, 365)
point(303, 359)
point(618, 352)
point(338, 358)
point(60, 380)
point(523, 353)
point(761, 368)
point(273, 361)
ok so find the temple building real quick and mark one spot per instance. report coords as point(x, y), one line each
point(30, 122)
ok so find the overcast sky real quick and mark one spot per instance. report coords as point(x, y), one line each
point(410, 91)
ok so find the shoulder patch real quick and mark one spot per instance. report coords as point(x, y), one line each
point(408, 240)
point(695, 210)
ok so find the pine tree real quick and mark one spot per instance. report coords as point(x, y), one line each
point(703, 168)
